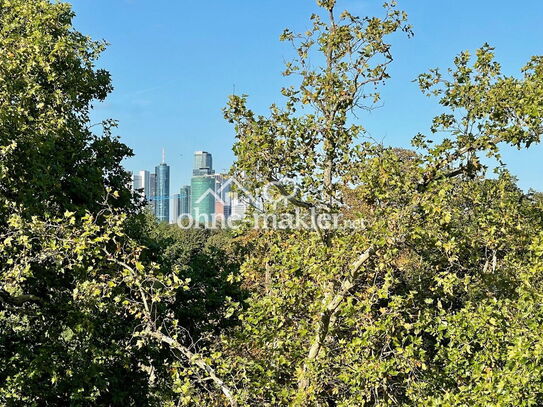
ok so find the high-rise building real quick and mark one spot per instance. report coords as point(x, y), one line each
point(174, 208)
point(136, 183)
point(162, 188)
point(152, 192)
point(203, 164)
point(219, 210)
point(184, 200)
point(203, 198)
point(143, 184)
point(203, 188)
point(238, 208)
point(223, 188)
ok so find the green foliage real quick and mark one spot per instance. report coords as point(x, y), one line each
point(64, 340)
point(209, 259)
point(400, 335)
point(48, 82)
point(485, 108)
point(433, 300)
point(87, 315)
point(85, 309)
point(309, 138)
point(424, 304)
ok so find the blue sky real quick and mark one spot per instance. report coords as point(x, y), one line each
point(174, 63)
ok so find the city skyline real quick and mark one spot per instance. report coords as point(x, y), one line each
point(208, 194)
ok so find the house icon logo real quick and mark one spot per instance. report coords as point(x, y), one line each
point(218, 195)
point(247, 196)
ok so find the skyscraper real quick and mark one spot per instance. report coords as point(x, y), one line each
point(223, 188)
point(203, 163)
point(162, 199)
point(174, 209)
point(136, 182)
point(143, 186)
point(184, 200)
point(141, 182)
point(238, 208)
point(203, 188)
point(152, 192)
point(203, 198)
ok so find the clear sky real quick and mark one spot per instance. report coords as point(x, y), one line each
point(174, 63)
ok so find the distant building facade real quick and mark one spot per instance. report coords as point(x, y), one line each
point(184, 200)
point(136, 183)
point(203, 164)
point(209, 196)
point(143, 185)
point(175, 208)
point(203, 198)
point(238, 208)
point(152, 193)
point(223, 188)
point(162, 192)
point(203, 188)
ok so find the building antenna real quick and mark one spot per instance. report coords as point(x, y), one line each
point(234, 89)
point(163, 156)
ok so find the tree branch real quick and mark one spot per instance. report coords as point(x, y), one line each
point(196, 360)
point(18, 300)
point(154, 332)
point(328, 317)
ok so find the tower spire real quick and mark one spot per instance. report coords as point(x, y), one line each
point(163, 155)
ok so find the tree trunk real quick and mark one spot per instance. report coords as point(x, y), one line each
point(327, 320)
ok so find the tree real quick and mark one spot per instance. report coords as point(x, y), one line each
point(88, 318)
point(61, 342)
point(356, 317)
point(48, 82)
point(209, 258)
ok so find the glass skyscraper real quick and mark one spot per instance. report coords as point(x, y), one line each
point(152, 193)
point(136, 182)
point(203, 163)
point(143, 186)
point(203, 198)
point(202, 189)
point(223, 187)
point(184, 200)
point(162, 192)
